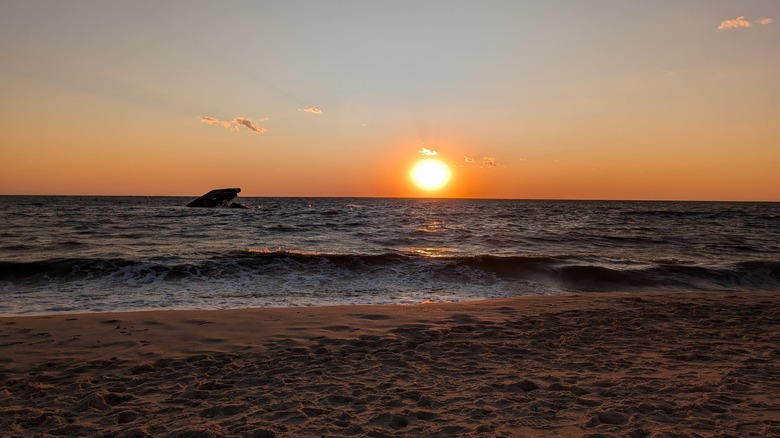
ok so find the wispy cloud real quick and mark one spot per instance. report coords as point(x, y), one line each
point(248, 124)
point(236, 123)
point(427, 152)
point(741, 22)
point(311, 110)
point(467, 159)
point(210, 120)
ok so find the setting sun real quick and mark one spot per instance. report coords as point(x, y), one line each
point(430, 174)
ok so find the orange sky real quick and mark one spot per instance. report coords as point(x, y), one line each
point(594, 100)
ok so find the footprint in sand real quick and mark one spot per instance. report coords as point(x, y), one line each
point(464, 319)
point(372, 317)
point(338, 328)
point(198, 321)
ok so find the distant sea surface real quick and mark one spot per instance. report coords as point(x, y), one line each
point(86, 254)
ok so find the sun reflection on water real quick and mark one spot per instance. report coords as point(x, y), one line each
point(432, 227)
point(431, 251)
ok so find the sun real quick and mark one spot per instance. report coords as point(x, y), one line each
point(430, 174)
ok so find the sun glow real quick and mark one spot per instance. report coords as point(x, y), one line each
point(430, 174)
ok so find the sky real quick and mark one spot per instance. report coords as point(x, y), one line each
point(548, 99)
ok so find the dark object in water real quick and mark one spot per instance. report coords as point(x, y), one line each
point(217, 198)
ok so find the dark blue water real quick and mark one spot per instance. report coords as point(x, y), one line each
point(61, 254)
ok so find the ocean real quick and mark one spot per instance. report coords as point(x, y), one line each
point(96, 254)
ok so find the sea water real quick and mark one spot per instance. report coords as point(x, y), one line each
point(84, 254)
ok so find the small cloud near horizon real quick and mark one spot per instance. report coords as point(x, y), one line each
point(488, 162)
point(741, 22)
point(484, 162)
point(311, 110)
point(427, 152)
point(236, 124)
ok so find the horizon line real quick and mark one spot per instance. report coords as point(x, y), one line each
point(403, 197)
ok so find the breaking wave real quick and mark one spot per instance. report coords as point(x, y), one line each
point(360, 272)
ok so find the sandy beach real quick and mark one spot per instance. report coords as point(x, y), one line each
point(651, 364)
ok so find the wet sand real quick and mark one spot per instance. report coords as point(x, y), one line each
point(650, 364)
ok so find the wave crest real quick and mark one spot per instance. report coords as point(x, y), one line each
point(565, 273)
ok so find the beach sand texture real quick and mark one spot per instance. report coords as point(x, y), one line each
point(651, 364)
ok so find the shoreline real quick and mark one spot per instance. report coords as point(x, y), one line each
point(567, 365)
point(400, 304)
point(76, 313)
